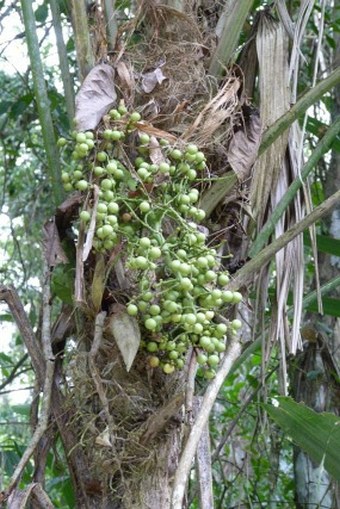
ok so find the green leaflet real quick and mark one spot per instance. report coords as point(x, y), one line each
point(318, 434)
point(331, 307)
point(325, 244)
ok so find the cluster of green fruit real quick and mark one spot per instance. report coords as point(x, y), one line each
point(151, 208)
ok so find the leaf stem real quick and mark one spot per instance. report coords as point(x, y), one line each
point(43, 103)
point(263, 257)
point(63, 61)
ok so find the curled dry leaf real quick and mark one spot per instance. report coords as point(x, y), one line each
point(126, 332)
point(104, 439)
point(53, 250)
point(244, 145)
point(98, 282)
point(95, 97)
point(151, 79)
point(127, 81)
point(156, 154)
point(67, 211)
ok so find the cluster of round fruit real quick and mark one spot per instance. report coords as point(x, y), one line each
point(151, 208)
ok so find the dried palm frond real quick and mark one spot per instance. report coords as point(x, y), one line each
point(272, 53)
point(272, 50)
point(274, 171)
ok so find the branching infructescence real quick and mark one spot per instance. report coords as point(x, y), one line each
point(147, 210)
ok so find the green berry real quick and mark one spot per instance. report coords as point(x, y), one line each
point(213, 360)
point(236, 324)
point(154, 310)
point(141, 263)
point(192, 149)
point(98, 171)
point(150, 324)
point(85, 216)
point(210, 275)
point(114, 114)
point(145, 242)
point(200, 157)
point(116, 135)
point(152, 346)
point(155, 253)
point(227, 296)
point(82, 185)
point(113, 207)
point(144, 138)
point(101, 156)
point(108, 196)
point(176, 154)
point(61, 142)
point(112, 220)
point(135, 117)
point(144, 206)
point(81, 138)
point(132, 310)
point(237, 297)
point(122, 109)
point(202, 358)
point(109, 243)
point(102, 208)
point(107, 230)
point(164, 167)
point(223, 279)
point(210, 374)
point(68, 186)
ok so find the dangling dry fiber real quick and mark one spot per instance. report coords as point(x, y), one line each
point(292, 268)
point(273, 173)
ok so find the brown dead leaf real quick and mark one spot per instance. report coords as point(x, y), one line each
point(151, 79)
point(125, 330)
point(53, 250)
point(98, 283)
point(95, 97)
point(156, 154)
point(127, 81)
point(104, 439)
point(67, 211)
point(244, 145)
